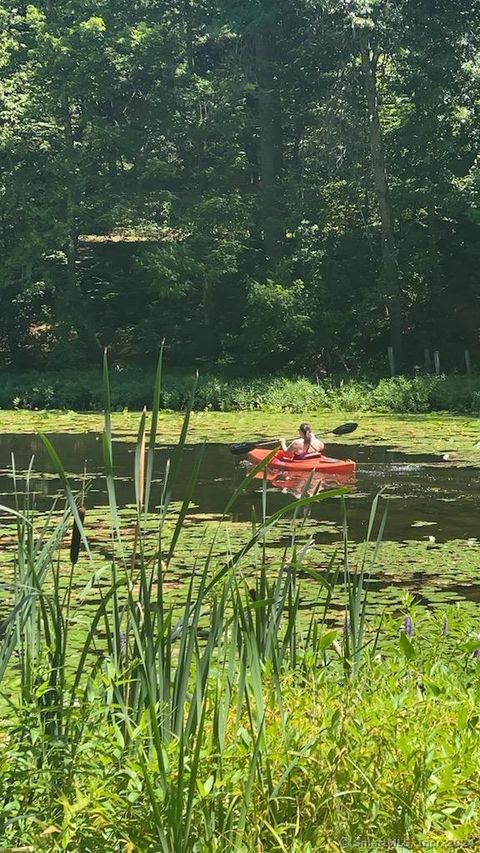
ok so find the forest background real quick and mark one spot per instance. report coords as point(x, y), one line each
point(268, 185)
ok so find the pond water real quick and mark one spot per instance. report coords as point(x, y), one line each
point(429, 497)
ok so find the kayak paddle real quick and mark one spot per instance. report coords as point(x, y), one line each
point(242, 449)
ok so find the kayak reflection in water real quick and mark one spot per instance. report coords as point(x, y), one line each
point(299, 486)
point(305, 446)
point(304, 485)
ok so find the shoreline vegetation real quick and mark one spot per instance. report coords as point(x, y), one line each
point(81, 390)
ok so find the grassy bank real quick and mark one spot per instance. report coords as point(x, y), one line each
point(301, 761)
point(131, 389)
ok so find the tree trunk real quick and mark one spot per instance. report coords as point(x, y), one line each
point(189, 36)
point(72, 308)
point(270, 142)
point(390, 276)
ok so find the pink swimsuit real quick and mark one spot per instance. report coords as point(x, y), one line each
point(305, 454)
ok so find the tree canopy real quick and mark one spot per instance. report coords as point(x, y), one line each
point(275, 184)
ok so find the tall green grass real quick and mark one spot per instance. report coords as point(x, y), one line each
point(200, 726)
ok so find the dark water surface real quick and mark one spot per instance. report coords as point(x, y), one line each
point(429, 497)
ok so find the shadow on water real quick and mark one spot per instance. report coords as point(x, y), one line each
point(429, 497)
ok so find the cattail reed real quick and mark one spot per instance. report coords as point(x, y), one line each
point(76, 537)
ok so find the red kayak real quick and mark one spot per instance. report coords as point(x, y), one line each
point(318, 462)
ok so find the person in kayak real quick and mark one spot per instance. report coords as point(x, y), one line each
point(305, 446)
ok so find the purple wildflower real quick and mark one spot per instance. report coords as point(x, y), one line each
point(476, 654)
point(445, 628)
point(408, 627)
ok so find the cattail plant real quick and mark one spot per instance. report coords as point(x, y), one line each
point(76, 536)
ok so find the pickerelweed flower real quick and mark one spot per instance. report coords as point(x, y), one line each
point(408, 627)
point(445, 627)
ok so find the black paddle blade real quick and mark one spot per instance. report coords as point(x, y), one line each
point(345, 429)
point(242, 449)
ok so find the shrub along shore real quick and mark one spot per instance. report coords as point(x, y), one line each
point(131, 389)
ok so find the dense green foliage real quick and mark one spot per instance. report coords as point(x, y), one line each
point(261, 183)
point(82, 391)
